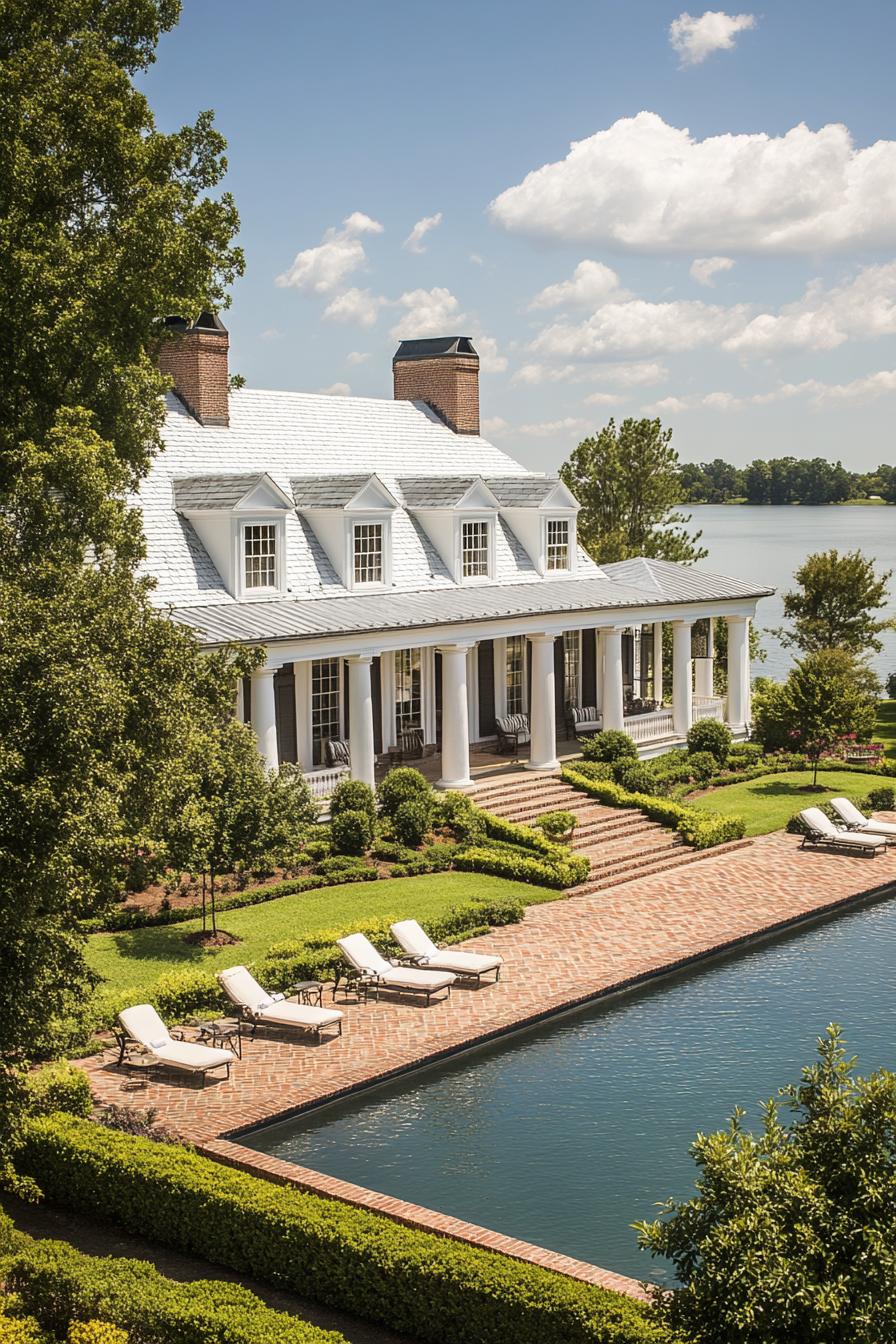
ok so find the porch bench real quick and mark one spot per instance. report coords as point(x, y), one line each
point(512, 731)
point(584, 719)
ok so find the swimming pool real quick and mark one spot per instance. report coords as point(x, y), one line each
point(566, 1134)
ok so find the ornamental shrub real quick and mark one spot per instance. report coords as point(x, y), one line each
point(557, 825)
point(710, 735)
point(399, 786)
point(59, 1087)
point(461, 816)
point(337, 864)
point(744, 752)
point(95, 1332)
point(703, 764)
point(610, 745)
point(637, 777)
point(412, 820)
point(353, 795)
point(594, 769)
point(437, 1290)
point(20, 1329)
point(351, 832)
point(881, 800)
point(697, 828)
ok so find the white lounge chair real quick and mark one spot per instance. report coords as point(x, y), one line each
point(820, 830)
point(372, 970)
point(858, 822)
point(259, 1008)
point(143, 1027)
point(465, 965)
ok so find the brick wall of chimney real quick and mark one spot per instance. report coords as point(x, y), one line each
point(197, 361)
point(447, 383)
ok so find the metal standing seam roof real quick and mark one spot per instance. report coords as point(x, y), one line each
point(309, 618)
point(681, 583)
point(222, 491)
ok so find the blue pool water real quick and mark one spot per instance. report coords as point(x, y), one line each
point(566, 1134)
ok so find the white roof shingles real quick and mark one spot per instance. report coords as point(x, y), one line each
point(291, 435)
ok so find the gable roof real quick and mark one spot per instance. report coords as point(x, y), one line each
point(528, 492)
point(335, 492)
point(439, 492)
point(223, 491)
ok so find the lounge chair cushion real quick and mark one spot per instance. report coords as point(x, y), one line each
point(361, 954)
point(869, 825)
point(288, 1014)
point(417, 943)
point(186, 1055)
point(243, 989)
point(816, 820)
point(143, 1024)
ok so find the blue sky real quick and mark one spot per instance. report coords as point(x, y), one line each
point(697, 258)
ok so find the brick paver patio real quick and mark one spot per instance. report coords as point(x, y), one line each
point(563, 954)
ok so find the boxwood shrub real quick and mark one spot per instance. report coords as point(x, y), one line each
point(61, 1287)
point(610, 745)
point(59, 1087)
point(700, 829)
point(351, 832)
point(400, 785)
point(417, 1283)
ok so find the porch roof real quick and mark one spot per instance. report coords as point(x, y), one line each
point(291, 618)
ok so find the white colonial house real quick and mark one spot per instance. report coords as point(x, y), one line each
point(412, 584)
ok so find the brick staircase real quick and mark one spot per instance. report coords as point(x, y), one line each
point(621, 844)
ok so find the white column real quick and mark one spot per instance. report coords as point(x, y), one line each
point(542, 712)
point(304, 743)
point(682, 678)
point(704, 680)
point(240, 707)
point(387, 698)
point(738, 671)
point(264, 715)
point(600, 660)
point(658, 662)
point(360, 718)
point(473, 693)
point(613, 706)
point(500, 659)
point(428, 691)
point(455, 718)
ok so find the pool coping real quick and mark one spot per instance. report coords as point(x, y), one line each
point(226, 1149)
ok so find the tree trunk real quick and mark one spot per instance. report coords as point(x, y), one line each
point(214, 913)
point(203, 903)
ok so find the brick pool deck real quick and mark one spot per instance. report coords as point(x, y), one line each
point(563, 955)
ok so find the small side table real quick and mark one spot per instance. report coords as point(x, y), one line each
point(309, 992)
point(224, 1032)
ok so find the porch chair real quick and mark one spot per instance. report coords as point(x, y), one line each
point(512, 732)
point(584, 719)
point(259, 1008)
point(857, 822)
point(423, 952)
point(338, 751)
point(820, 830)
point(410, 745)
point(142, 1027)
point(372, 971)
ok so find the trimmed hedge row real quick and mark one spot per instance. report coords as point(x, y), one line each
point(414, 1282)
point(559, 873)
point(59, 1286)
point(699, 829)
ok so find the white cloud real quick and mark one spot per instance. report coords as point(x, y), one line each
point(490, 359)
point(645, 185)
point(337, 390)
point(602, 399)
point(427, 312)
point(668, 406)
point(639, 327)
point(705, 269)
point(476, 259)
point(632, 375)
point(355, 305)
point(322, 269)
point(357, 356)
point(592, 284)
point(494, 426)
point(695, 39)
point(534, 374)
point(623, 375)
point(271, 334)
point(861, 308)
point(545, 429)
point(414, 240)
point(866, 388)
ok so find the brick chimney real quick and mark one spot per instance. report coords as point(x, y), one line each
point(443, 371)
point(195, 355)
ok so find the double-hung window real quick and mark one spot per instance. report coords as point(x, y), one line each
point(558, 543)
point(326, 704)
point(515, 673)
point(408, 699)
point(368, 553)
point(571, 662)
point(260, 555)
point(474, 550)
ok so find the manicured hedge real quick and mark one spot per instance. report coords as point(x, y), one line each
point(58, 1286)
point(559, 873)
point(417, 1283)
point(699, 829)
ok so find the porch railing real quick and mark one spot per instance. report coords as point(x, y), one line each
point(709, 707)
point(322, 782)
point(649, 727)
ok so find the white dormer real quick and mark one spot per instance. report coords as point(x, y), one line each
point(459, 515)
point(352, 518)
point(240, 520)
point(542, 512)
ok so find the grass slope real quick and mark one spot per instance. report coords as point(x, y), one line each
point(767, 804)
point(135, 958)
point(885, 730)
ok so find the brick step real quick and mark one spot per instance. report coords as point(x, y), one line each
point(518, 808)
point(538, 800)
point(616, 858)
point(607, 826)
point(681, 855)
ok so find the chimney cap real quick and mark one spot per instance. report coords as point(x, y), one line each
point(434, 347)
point(204, 322)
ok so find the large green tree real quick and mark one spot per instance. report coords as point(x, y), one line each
point(828, 694)
point(106, 225)
point(627, 482)
point(792, 1233)
point(838, 603)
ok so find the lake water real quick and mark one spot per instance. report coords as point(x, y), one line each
point(565, 1135)
point(768, 543)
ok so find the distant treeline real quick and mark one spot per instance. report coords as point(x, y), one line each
point(784, 480)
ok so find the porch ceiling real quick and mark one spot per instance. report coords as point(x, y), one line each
point(293, 618)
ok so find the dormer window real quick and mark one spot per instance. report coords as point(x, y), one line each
point(368, 553)
point(260, 555)
point(475, 550)
point(557, 548)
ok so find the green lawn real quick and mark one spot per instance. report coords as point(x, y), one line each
point(885, 730)
point(768, 803)
point(136, 958)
